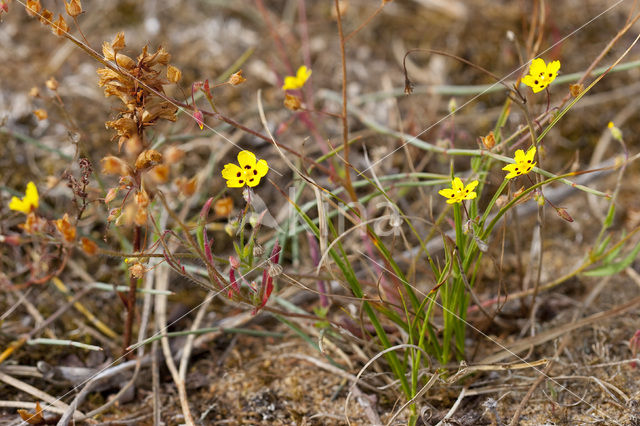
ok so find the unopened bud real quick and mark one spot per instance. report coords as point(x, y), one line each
point(615, 132)
point(453, 105)
point(563, 214)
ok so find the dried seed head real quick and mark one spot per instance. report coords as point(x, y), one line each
point(140, 218)
point(576, 89)
point(132, 146)
point(148, 159)
point(488, 141)
point(258, 250)
point(172, 155)
point(187, 187)
point(88, 246)
point(159, 174)
point(236, 78)
point(73, 8)
point(174, 74)
point(124, 61)
point(223, 206)
point(65, 227)
point(118, 42)
point(274, 270)
point(46, 17)
point(142, 198)
point(137, 270)
point(292, 102)
point(33, 224)
point(40, 114)
point(33, 7)
point(114, 166)
point(60, 27)
point(52, 84)
point(34, 92)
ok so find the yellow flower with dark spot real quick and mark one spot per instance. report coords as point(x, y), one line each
point(28, 203)
point(523, 163)
point(248, 173)
point(297, 81)
point(459, 192)
point(540, 74)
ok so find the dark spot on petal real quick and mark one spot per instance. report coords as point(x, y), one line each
point(239, 174)
point(255, 172)
point(247, 167)
point(241, 182)
point(550, 75)
point(251, 180)
point(529, 161)
point(535, 82)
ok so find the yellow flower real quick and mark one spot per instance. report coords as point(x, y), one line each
point(541, 74)
point(523, 163)
point(292, 83)
point(29, 201)
point(459, 192)
point(248, 173)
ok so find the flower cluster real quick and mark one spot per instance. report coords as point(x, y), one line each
point(541, 74)
point(142, 107)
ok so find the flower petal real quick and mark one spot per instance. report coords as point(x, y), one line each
point(232, 171)
point(472, 185)
point(531, 153)
point(18, 205)
point(520, 157)
point(553, 68)
point(537, 67)
point(235, 183)
point(447, 193)
point(31, 195)
point(303, 75)
point(253, 181)
point(262, 168)
point(513, 169)
point(457, 185)
point(247, 160)
point(290, 83)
